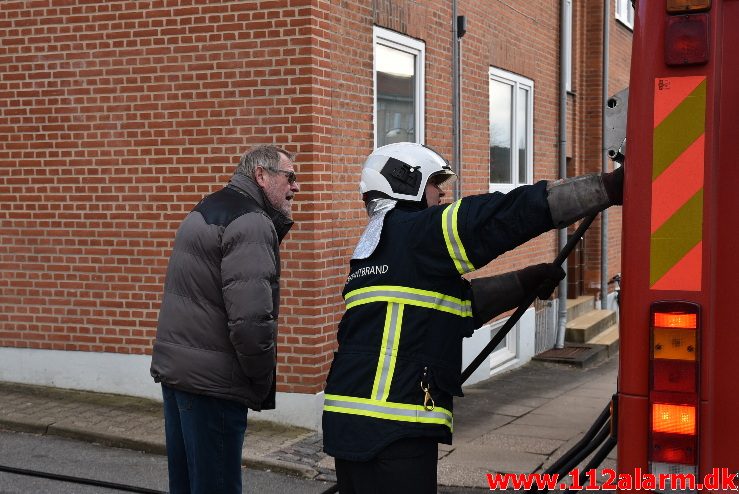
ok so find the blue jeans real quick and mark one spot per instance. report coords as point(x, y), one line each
point(205, 436)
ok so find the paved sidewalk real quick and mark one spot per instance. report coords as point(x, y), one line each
point(524, 420)
point(520, 421)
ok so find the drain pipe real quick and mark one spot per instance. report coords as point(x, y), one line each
point(604, 138)
point(562, 233)
point(459, 26)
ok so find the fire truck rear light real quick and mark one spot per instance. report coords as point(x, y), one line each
point(673, 448)
point(673, 375)
point(683, 6)
point(674, 344)
point(675, 327)
point(675, 320)
point(686, 39)
point(673, 419)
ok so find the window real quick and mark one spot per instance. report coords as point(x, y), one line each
point(511, 130)
point(507, 349)
point(625, 12)
point(568, 46)
point(399, 88)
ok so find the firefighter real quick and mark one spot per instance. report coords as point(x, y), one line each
point(388, 397)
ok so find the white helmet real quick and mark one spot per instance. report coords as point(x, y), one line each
point(402, 170)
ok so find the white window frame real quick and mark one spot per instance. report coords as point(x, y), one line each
point(517, 82)
point(509, 351)
point(397, 41)
point(625, 13)
point(568, 46)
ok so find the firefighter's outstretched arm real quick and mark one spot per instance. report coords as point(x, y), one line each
point(574, 198)
point(494, 295)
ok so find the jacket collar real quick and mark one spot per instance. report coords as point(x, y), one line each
point(412, 205)
point(249, 187)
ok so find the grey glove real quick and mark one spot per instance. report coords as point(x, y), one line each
point(613, 182)
point(574, 198)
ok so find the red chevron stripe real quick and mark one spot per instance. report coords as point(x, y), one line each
point(678, 183)
point(686, 274)
point(670, 93)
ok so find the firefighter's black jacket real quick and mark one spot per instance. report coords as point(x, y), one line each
point(407, 310)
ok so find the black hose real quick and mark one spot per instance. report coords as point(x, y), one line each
point(587, 450)
point(566, 250)
point(79, 480)
point(586, 438)
point(597, 459)
point(575, 455)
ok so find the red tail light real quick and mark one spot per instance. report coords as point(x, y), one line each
point(686, 39)
point(673, 394)
point(673, 375)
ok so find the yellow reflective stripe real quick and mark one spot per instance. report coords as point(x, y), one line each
point(452, 239)
point(387, 410)
point(409, 296)
point(388, 352)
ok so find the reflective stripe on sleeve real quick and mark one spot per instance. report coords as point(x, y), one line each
point(409, 296)
point(453, 241)
point(387, 411)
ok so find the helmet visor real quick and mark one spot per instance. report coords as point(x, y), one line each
point(443, 177)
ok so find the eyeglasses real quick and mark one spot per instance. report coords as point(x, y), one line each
point(291, 177)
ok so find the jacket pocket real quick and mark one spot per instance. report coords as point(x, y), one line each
point(351, 374)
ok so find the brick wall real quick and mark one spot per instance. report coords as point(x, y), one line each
point(522, 38)
point(116, 117)
point(588, 101)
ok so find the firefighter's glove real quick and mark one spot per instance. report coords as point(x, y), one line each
point(541, 279)
point(571, 199)
point(613, 182)
point(493, 295)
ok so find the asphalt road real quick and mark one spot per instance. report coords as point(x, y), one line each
point(57, 455)
point(79, 459)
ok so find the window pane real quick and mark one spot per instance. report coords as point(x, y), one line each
point(522, 127)
point(396, 98)
point(501, 102)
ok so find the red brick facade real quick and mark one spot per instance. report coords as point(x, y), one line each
point(117, 117)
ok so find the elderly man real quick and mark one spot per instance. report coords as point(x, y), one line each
point(215, 348)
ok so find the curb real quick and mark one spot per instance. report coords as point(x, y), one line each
point(251, 461)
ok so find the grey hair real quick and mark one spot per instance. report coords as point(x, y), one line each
point(266, 156)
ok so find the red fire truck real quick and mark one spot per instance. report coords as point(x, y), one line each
point(678, 390)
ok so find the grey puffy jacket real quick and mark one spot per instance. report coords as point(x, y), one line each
point(217, 327)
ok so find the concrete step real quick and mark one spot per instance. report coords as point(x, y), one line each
point(609, 339)
point(589, 325)
point(576, 307)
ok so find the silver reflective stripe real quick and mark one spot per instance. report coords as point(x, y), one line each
point(428, 299)
point(387, 411)
point(386, 364)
